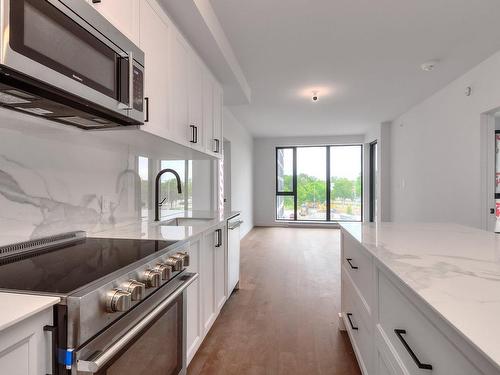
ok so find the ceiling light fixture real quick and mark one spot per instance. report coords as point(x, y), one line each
point(429, 65)
point(315, 96)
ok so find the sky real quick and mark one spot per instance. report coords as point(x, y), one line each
point(345, 161)
point(177, 165)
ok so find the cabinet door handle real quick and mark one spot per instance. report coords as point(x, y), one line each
point(96, 1)
point(193, 133)
point(216, 146)
point(420, 365)
point(53, 354)
point(349, 260)
point(218, 237)
point(146, 100)
point(350, 322)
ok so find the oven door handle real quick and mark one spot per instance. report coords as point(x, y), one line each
point(98, 360)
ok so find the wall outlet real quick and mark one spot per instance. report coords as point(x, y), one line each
point(106, 203)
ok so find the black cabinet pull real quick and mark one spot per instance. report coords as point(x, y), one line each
point(96, 1)
point(350, 322)
point(349, 260)
point(193, 133)
point(218, 234)
point(146, 100)
point(420, 365)
point(53, 354)
point(217, 145)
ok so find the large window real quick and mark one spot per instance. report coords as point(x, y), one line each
point(319, 183)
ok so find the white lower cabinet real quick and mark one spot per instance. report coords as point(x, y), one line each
point(389, 332)
point(417, 342)
point(207, 295)
point(25, 347)
point(194, 323)
point(220, 280)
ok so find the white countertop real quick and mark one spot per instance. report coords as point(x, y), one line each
point(17, 307)
point(147, 229)
point(455, 269)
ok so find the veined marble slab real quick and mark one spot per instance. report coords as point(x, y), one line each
point(455, 269)
point(151, 230)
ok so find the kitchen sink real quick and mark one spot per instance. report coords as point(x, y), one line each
point(186, 221)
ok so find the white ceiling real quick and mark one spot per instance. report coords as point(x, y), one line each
point(368, 52)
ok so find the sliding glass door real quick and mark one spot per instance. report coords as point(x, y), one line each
point(319, 183)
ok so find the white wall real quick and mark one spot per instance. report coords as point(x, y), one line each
point(265, 170)
point(241, 169)
point(56, 178)
point(435, 151)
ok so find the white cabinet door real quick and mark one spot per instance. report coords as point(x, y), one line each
point(154, 42)
point(220, 279)
point(194, 310)
point(208, 279)
point(208, 111)
point(195, 95)
point(123, 14)
point(217, 131)
point(233, 258)
point(178, 98)
point(25, 347)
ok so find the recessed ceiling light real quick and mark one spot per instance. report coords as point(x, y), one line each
point(315, 96)
point(429, 65)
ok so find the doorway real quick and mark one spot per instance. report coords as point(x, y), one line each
point(490, 171)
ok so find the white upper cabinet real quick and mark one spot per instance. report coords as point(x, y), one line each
point(196, 132)
point(154, 42)
point(183, 101)
point(178, 72)
point(218, 108)
point(122, 14)
point(212, 115)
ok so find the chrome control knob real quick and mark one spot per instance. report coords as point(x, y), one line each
point(165, 270)
point(152, 278)
point(118, 300)
point(135, 288)
point(175, 263)
point(184, 256)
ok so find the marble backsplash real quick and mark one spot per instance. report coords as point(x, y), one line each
point(55, 179)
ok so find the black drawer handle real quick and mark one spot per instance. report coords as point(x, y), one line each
point(420, 365)
point(350, 322)
point(146, 100)
point(349, 260)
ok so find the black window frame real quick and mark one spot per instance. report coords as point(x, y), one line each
point(293, 193)
point(373, 160)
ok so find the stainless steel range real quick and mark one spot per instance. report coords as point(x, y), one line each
point(122, 307)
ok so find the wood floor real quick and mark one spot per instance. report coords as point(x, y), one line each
point(283, 320)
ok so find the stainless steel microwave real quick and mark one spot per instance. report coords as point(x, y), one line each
point(63, 61)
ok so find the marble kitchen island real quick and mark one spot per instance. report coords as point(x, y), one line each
point(442, 279)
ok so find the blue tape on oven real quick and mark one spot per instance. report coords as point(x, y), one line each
point(65, 357)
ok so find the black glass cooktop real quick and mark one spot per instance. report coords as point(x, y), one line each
point(71, 266)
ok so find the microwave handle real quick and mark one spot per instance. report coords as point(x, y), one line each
point(130, 104)
point(130, 80)
point(97, 362)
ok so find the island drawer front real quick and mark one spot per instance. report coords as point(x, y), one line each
point(359, 263)
point(423, 339)
point(354, 317)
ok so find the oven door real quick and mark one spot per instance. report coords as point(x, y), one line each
point(58, 42)
point(150, 339)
